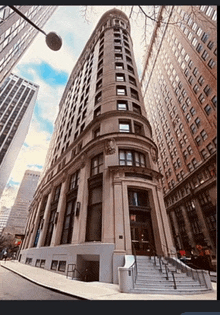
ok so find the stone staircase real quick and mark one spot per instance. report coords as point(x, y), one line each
point(150, 279)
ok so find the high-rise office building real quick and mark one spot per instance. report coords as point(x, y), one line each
point(17, 100)
point(180, 92)
point(4, 214)
point(19, 211)
point(100, 195)
point(16, 34)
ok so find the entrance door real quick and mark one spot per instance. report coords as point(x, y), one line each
point(140, 221)
point(141, 238)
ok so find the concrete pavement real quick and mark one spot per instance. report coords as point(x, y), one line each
point(91, 290)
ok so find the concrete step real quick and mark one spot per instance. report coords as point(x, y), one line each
point(168, 291)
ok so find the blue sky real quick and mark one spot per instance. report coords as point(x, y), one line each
point(50, 70)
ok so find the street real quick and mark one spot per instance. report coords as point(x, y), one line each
point(14, 287)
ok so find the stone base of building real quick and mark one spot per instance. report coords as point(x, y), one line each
point(89, 261)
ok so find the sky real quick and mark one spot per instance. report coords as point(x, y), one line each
point(50, 70)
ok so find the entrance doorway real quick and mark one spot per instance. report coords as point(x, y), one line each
point(140, 222)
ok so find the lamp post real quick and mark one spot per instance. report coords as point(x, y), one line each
point(53, 41)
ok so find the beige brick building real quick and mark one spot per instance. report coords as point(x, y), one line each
point(100, 192)
point(180, 90)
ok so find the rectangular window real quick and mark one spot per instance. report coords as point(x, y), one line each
point(131, 158)
point(208, 109)
point(211, 63)
point(132, 80)
point(134, 94)
point(124, 126)
point(193, 128)
point(121, 90)
point(97, 164)
point(204, 37)
point(205, 55)
point(96, 132)
point(122, 105)
point(204, 135)
point(62, 266)
point(207, 90)
point(138, 129)
point(119, 66)
point(68, 222)
point(120, 77)
point(94, 216)
point(199, 48)
point(201, 80)
point(74, 180)
point(136, 108)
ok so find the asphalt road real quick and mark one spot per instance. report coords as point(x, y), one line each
point(14, 287)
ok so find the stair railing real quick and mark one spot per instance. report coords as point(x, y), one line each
point(134, 265)
point(71, 268)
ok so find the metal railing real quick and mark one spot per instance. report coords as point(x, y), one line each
point(134, 265)
point(71, 268)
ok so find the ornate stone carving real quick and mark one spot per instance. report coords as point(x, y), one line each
point(110, 146)
point(83, 160)
point(153, 153)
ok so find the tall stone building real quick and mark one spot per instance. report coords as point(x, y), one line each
point(19, 211)
point(17, 100)
point(100, 195)
point(16, 34)
point(180, 91)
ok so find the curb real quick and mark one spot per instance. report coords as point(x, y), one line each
point(44, 285)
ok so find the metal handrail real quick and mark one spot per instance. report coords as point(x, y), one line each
point(72, 270)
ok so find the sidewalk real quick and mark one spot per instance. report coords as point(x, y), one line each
point(91, 290)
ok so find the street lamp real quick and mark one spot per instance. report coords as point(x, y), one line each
point(53, 41)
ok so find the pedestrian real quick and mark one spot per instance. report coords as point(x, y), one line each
point(5, 255)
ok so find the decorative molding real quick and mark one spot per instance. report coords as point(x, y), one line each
point(110, 146)
point(153, 153)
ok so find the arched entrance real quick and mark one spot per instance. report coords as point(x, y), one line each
point(140, 222)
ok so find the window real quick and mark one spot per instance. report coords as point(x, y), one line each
point(124, 126)
point(198, 122)
point(98, 98)
point(190, 150)
point(214, 100)
point(97, 164)
point(188, 117)
point(99, 73)
point(190, 167)
point(97, 111)
point(128, 59)
point(119, 66)
point(211, 63)
point(57, 193)
point(62, 266)
point(208, 109)
point(210, 44)
point(195, 72)
point(210, 148)
point(194, 162)
point(199, 48)
point(194, 41)
point(118, 49)
point(193, 128)
point(199, 31)
point(138, 129)
point(203, 134)
point(207, 90)
point(94, 215)
point(201, 98)
point(188, 101)
point(191, 80)
point(96, 132)
point(120, 77)
point(74, 180)
point(138, 198)
point(192, 111)
point(122, 105)
point(204, 37)
point(201, 80)
point(121, 90)
point(134, 94)
point(136, 108)
point(205, 55)
point(196, 88)
point(130, 69)
point(118, 56)
point(68, 222)
point(131, 158)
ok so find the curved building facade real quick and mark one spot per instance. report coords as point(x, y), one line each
point(100, 195)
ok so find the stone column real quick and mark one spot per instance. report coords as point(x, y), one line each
point(46, 219)
point(61, 208)
point(203, 223)
point(119, 217)
point(35, 221)
point(188, 226)
point(176, 227)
